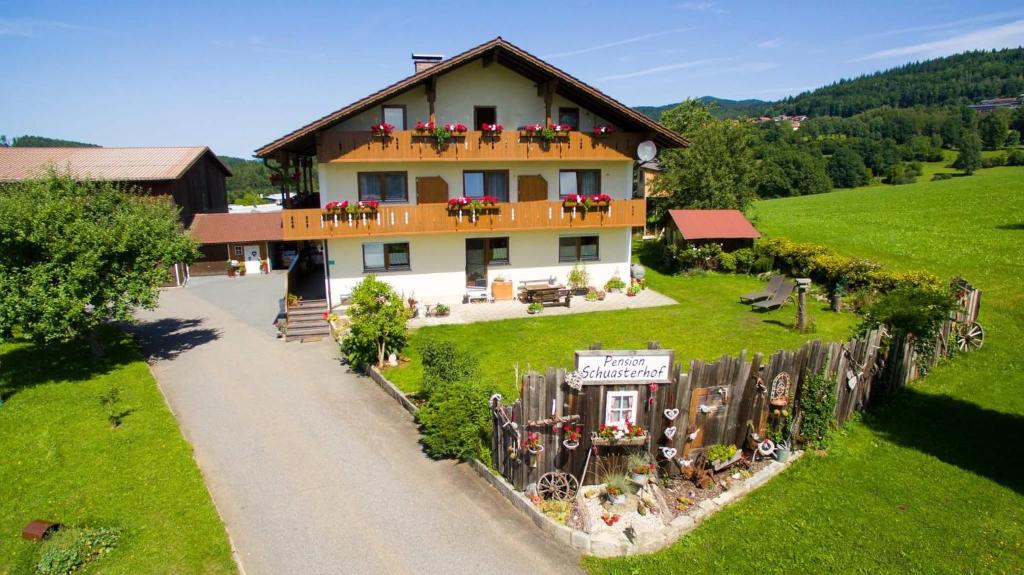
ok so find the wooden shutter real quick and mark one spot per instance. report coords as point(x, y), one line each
point(431, 190)
point(533, 189)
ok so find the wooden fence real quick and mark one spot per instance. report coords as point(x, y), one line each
point(713, 403)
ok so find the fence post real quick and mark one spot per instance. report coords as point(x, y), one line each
point(653, 345)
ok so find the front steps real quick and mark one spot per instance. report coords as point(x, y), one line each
point(306, 321)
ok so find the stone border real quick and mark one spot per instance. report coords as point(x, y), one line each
point(581, 541)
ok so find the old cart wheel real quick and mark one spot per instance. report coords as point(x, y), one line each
point(557, 485)
point(970, 336)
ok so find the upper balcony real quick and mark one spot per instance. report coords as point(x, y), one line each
point(511, 145)
point(404, 220)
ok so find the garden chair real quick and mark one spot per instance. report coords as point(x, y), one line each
point(766, 293)
point(779, 298)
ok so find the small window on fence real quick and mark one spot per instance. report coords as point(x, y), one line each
point(620, 407)
point(238, 251)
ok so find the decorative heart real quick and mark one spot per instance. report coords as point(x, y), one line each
point(670, 432)
point(668, 452)
point(671, 414)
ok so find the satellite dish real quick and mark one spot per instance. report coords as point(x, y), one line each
point(646, 151)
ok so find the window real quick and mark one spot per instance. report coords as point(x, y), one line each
point(484, 115)
point(385, 257)
point(569, 116)
point(394, 115)
point(496, 250)
point(586, 182)
point(489, 183)
point(620, 407)
point(577, 249)
point(383, 186)
point(238, 251)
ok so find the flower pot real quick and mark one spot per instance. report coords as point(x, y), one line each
point(779, 402)
point(640, 478)
point(536, 450)
point(570, 445)
point(619, 499)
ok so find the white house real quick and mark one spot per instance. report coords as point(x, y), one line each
point(419, 243)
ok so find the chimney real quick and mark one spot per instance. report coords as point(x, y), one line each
point(424, 61)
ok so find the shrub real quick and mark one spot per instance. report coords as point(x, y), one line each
point(727, 262)
point(1015, 158)
point(71, 548)
point(993, 161)
point(744, 259)
point(378, 323)
point(817, 408)
point(941, 176)
point(615, 283)
point(456, 421)
point(579, 278)
point(702, 257)
point(444, 362)
point(917, 311)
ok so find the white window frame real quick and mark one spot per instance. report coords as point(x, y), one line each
point(633, 395)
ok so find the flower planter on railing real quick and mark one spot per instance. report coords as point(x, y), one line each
point(584, 204)
point(382, 130)
point(546, 133)
point(472, 206)
point(343, 212)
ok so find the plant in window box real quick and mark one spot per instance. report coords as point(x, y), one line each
point(425, 128)
point(491, 130)
point(335, 208)
point(368, 206)
point(574, 201)
point(382, 130)
point(533, 444)
point(600, 200)
point(602, 131)
point(721, 456)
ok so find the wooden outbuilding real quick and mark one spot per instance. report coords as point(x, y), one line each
point(249, 238)
point(729, 228)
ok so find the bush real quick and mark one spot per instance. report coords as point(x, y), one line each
point(917, 311)
point(993, 161)
point(941, 176)
point(744, 259)
point(456, 421)
point(692, 257)
point(378, 323)
point(727, 262)
point(1015, 158)
point(443, 362)
point(817, 409)
point(71, 548)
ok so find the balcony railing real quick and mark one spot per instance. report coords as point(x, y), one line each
point(410, 145)
point(437, 218)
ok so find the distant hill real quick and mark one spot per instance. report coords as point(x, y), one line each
point(723, 109)
point(41, 142)
point(959, 79)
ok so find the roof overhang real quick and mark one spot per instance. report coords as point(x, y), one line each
point(303, 141)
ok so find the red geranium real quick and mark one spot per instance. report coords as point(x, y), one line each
point(602, 130)
point(382, 128)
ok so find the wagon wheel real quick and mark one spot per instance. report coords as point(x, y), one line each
point(970, 336)
point(557, 485)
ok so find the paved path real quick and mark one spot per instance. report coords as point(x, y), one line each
point(316, 470)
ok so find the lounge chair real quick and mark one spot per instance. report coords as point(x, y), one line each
point(779, 298)
point(773, 286)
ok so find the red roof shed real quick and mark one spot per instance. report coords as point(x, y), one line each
point(713, 225)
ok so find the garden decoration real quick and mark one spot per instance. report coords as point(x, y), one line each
point(652, 390)
point(533, 444)
point(779, 395)
point(574, 380)
point(782, 451)
point(557, 485)
point(671, 414)
point(970, 336)
point(572, 436)
point(670, 432)
point(668, 452)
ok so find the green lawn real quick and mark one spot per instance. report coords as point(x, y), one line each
point(932, 482)
point(708, 322)
point(63, 461)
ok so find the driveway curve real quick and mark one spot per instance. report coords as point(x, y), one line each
point(314, 469)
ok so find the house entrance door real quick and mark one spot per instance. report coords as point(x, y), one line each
point(476, 263)
point(252, 259)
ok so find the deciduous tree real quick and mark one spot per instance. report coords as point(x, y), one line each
point(378, 323)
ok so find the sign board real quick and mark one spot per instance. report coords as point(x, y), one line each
point(640, 366)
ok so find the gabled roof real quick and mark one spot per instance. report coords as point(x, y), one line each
point(225, 228)
point(713, 224)
point(302, 141)
point(113, 164)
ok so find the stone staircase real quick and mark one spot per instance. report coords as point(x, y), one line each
point(306, 321)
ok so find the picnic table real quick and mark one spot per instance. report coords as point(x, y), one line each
point(544, 292)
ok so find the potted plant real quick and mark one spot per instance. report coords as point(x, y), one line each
point(591, 295)
point(572, 436)
point(425, 128)
point(634, 290)
point(616, 488)
point(533, 444)
point(600, 200)
point(640, 467)
point(382, 130)
point(368, 206)
point(441, 310)
point(241, 268)
point(615, 284)
point(600, 295)
point(836, 298)
point(721, 456)
point(602, 131)
point(232, 267)
point(456, 130)
point(534, 308)
point(335, 208)
point(264, 266)
point(577, 201)
point(491, 130)
point(294, 300)
point(579, 279)
point(501, 289)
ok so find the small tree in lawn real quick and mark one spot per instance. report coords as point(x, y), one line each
point(76, 254)
point(378, 323)
point(969, 158)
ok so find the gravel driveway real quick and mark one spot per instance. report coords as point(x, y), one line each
point(314, 469)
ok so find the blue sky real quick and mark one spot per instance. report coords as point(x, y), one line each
point(236, 75)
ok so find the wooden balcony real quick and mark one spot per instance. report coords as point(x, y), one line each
point(512, 145)
point(436, 218)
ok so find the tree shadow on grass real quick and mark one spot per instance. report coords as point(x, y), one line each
point(26, 365)
point(1012, 227)
point(959, 433)
point(167, 338)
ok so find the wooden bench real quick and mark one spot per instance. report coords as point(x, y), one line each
point(549, 296)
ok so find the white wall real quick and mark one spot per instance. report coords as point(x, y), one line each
point(438, 262)
point(340, 181)
point(458, 91)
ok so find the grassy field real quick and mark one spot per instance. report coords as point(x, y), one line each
point(708, 322)
point(930, 483)
point(63, 461)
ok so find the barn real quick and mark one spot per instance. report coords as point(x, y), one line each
point(728, 228)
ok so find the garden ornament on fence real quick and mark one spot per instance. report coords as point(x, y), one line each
point(574, 380)
point(668, 452)
point(670, 432)
point(671, 414)
point(780, 390)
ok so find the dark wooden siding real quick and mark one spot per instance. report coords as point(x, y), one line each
point(201, 189)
